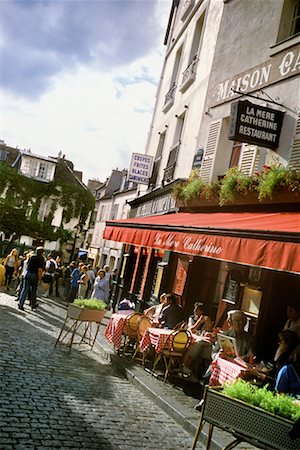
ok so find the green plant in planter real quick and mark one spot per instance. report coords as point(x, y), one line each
point(192, 189)
point(90, 303)
point(276, 178)
point(280, 405)
point(235, 183)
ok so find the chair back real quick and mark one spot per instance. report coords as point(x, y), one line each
point(131, 322)
point(143, 324)
point(180, 340)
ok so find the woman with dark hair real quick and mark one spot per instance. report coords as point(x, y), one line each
point(288, 378)
point(11, 266)
point(288, 341)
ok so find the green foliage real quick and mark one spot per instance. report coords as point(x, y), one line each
point(276, 178)
point(234, 183)
point(90, 303)
point(22, 198)
point(280, 405)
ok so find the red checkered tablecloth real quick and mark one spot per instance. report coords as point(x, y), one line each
point(156, 337)
point(114, 329)
point(225, 370)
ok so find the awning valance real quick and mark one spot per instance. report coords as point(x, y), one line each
point(270, 240)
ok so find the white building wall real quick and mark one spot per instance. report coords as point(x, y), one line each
point(189, 102)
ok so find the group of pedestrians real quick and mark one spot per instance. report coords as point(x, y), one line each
point(33, 267)
point(85, 283)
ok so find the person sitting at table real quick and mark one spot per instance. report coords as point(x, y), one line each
point(288, 341)
point(244, 340)
point(154, 311)
point(171, 314)
point(288, 378)
point(199, 321)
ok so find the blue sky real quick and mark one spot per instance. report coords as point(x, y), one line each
point(80, 76)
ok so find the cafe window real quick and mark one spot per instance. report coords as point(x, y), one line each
point(290, 20)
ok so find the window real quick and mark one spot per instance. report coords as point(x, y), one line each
point(169, 98)
point(173, 155)
point(235, 154)
point(43, 171)
point(33, 164)
point(114, 211)
point(159, 151)
point(290, 20)
point(3, 155)
point(189, 74)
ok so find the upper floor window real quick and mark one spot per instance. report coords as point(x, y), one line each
point(170, 96)
point(290, 20)
point(43, 171)
point(157, 160)
point(235, 154)
point(3, 155)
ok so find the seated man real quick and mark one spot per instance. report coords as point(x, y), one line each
point(154, 312)
point(172, 314)
point(244, 341)
point(288, 378)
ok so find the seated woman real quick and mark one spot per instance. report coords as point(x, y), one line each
point(155, 311)
point(288, 378)
point(199, 321)
point(288, 341)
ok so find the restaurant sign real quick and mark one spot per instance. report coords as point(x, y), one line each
point(255, 124)
point(140, 168)
point(279, 67)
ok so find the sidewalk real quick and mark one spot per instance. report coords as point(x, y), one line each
point(173, 400)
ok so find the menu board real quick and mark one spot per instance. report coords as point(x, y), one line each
point(231, 290)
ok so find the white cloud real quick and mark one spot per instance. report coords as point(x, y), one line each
point(97, 119)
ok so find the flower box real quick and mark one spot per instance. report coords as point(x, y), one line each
point(246, 422)
point(85, 314)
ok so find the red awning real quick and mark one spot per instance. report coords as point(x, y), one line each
point(270, 240)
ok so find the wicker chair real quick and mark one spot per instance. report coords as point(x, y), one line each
point(174, 350)
point(144, 323)
point(130, 332)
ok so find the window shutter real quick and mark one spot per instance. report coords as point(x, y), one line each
point(249, 159)
point(210, 151)
point(295, 150)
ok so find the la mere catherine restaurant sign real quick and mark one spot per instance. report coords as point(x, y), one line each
point(255, 124)
point(140, 169)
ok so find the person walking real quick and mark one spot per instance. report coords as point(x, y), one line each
point(91, 280)
point(75, 276)
point(101, 287)
point(58, 275)
point(48, 277)
point(83, 282)
point(11, 267)
point(35, 268)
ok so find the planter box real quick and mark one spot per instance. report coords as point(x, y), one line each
point(246, 422)
point(84, 314)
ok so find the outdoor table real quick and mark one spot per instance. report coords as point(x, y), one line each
point(115, 326)
point(157, 337)
point(226, 370)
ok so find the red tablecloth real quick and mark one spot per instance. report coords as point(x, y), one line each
point(114, 329)
point(225, 370)
point(156, 337)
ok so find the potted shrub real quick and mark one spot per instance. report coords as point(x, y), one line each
point(252, 414)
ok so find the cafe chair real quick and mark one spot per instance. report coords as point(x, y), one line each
point(130, 332)
point(144, 323)
point(173, 351)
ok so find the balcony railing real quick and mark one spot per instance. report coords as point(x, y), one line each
point(169, 170)
point(169, 98)
point(189, 74)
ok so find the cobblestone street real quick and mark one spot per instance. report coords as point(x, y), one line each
point(53, 399)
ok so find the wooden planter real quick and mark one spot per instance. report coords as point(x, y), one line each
point(246, 422)
point(84, 314)
point(80, 318)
